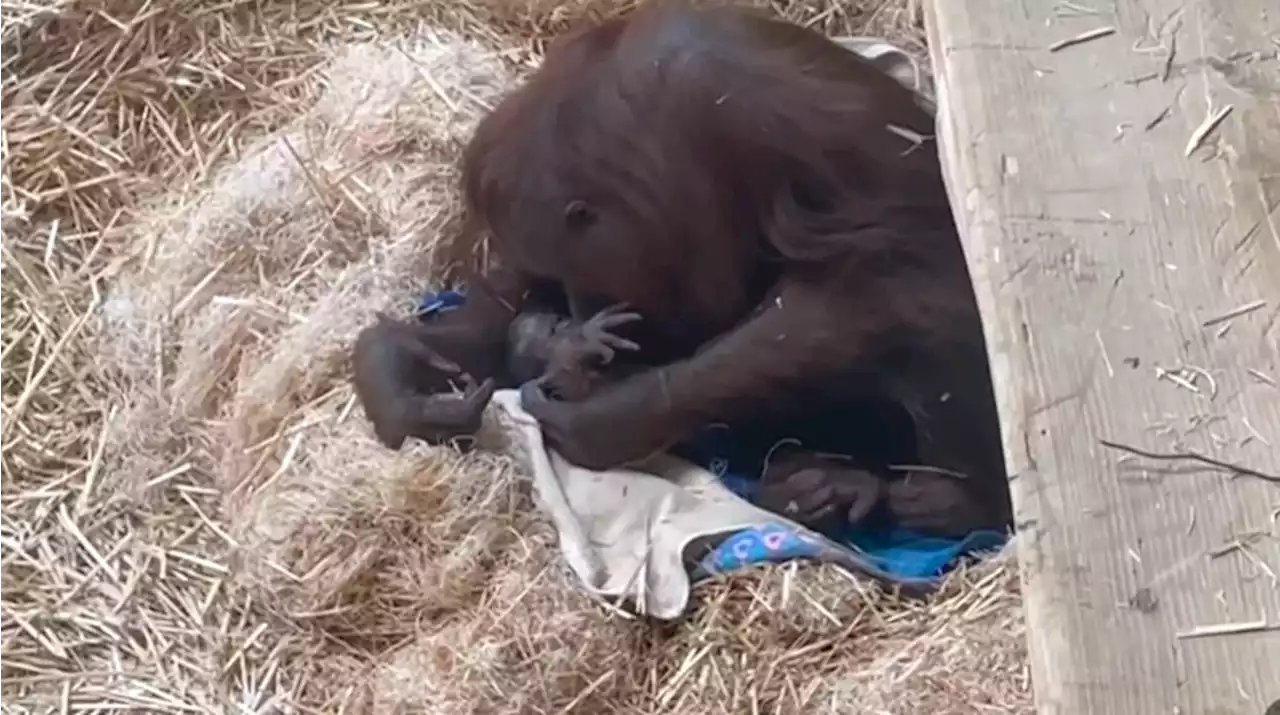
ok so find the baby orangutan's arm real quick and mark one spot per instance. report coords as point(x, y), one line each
point(474, 335)
point(405, 370)
point(394, 371)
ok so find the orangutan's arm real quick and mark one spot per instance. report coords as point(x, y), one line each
point(799, 339)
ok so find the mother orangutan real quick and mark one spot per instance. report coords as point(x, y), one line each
point(751, 189)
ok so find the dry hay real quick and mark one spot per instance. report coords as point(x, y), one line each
point(200, 209)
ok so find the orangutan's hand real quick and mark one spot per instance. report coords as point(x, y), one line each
point(621, 422)
point(823, 495)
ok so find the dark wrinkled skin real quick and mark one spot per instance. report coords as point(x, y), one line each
point(567, 358)
point(734, 180)
point(824, 493)
point(391, 360)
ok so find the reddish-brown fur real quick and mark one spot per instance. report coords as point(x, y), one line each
point(744, 185)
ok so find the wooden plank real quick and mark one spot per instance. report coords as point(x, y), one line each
point(1104, 258)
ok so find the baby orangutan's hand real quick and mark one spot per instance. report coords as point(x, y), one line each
point(440, 418)
point(580, 350)
point(595, 337)
point(400, 382)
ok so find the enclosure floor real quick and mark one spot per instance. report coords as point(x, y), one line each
point(202, 205)
point(1116, 171)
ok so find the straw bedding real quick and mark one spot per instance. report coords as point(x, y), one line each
point(203, 202)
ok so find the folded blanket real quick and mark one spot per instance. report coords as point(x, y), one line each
point(645, 533)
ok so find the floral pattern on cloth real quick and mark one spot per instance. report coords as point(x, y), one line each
point(766, 543)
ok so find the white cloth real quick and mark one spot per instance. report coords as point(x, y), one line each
point(624, 532)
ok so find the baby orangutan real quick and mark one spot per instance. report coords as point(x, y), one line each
point(563, 356)
point(566, 357)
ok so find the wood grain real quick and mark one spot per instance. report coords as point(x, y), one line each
point(1105, 258)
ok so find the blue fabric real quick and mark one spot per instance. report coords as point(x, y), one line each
point(900, 554)
point(440, 302)
point(896, 554)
